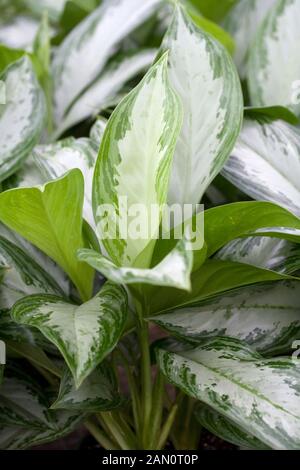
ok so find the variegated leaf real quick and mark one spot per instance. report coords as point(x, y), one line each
point(264, 252)
point(132, 170)
point(259, 395)
point(267, 317)
point(242, 23)
point(203, 74)
point(23, 340)
point(213, 29)
point(50, 217)
point(54, 8)
point(21, 117)
point(102, 30)
point(226, 429)
point(84, 334)
point(55, 159)
point(27, 176)
point(25, 418)
point(19, 32)
point(23, 277)
point(105, 89)
point(34, 354)
point(173, 271)
point(265, 163)
point(97, 130)
point(98, 392)
point(46, 263)
point(274, 63)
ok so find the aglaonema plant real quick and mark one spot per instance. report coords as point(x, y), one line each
point(81, 302)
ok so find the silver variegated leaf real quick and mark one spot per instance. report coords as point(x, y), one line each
point(56, 159)
point(85, 333)
point(265, 163)
point(21, 116)
point(132, 170)
point(264, 252)
point(19, 32)
point(173, 271)
point(242, 23)
point(46, 263)
point(27, 176)
point(102, 30)
point(23, 277)
point(267, 317)
point(274, 63)
point(25, 417)
point(97, 130)
point(226, 429)
point(259, 395)
point(203, 74)
point(106, 88)
point(54, 8)
point(99, 391)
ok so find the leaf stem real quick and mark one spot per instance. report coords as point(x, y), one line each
point(167, 426)
point(146, 380)
point(133, 389)
point(100, 436)
point(157, 408)
point(123, 438)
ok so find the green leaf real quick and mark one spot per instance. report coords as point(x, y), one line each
point(226, 429)
point(55, 159)
point(134, 163)
point(72, 14)
point(271, 112)
point(212, 278)
point(102, 30)
point(259, 395)
point(98, 392)
point(84, 334)
point(214, 9)
point(266, 317)
point(264, 252)
point(174, 270)
point(41, 48)
point(21, 118)
point(203, 74)
point(50, 217)
point(25, 418)
point(42, 53)
point(265, 163)
point(242, 23)
point(248, 218)
point(274, 63)
point(106, 88)
point(240, 219)
point(8, 56)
